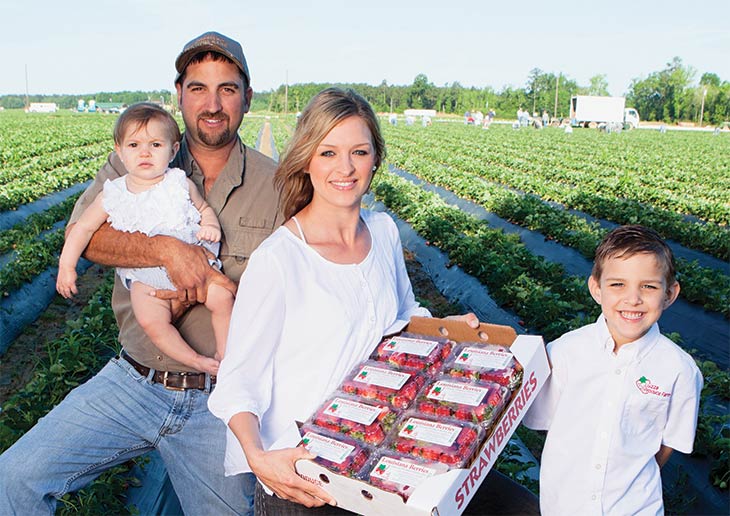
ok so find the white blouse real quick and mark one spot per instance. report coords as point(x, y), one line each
point(300, 323)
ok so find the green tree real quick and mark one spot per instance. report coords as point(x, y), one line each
point(598, 85)
point(422, 94)
point(664, 95)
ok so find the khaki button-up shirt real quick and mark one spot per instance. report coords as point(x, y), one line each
point(246, 203)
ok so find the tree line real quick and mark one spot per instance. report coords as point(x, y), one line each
point(668, 95)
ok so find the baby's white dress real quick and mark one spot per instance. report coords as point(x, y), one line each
point(164, 209)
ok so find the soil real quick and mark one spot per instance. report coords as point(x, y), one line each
point(19, 361)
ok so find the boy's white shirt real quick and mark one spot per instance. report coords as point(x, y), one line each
point(607, 416)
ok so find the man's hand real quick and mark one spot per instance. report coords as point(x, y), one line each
point(469, 318)
point(190, 271)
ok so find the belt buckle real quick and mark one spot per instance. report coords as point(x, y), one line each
point(170, 387)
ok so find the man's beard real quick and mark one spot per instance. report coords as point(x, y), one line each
point(214, 140)
point(217, 138)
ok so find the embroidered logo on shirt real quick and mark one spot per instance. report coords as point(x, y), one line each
point(646, 387)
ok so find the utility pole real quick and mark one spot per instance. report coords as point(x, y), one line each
point(26, 87)
point(702, 108)
point(555, 110)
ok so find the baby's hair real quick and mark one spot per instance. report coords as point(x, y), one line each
point(626, 241)
point(140, 114)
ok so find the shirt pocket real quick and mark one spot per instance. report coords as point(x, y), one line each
point(239, 242)
point(644, 414)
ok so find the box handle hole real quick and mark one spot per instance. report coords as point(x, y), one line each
point(366, 494)
point(324, 478)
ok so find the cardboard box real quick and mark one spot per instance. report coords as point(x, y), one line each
point(448, 493)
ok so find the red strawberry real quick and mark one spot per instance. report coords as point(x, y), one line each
point(463, 414)
point(443, 411)
point(403, 446)
point(426, 407)
point(430, 454)
point(495, 398)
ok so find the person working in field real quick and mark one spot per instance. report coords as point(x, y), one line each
point(155, 200)
point(146, 399)
point(621, 396)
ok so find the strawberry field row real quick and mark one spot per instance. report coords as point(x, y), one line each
point(487, 162)
point(26, 135)
point(700, 285)
point(645, 166)
point(44, 182)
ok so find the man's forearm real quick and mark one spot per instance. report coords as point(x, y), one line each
point(116, 248)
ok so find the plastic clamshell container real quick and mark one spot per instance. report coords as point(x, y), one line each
point(364, 420)
point(476, 402)
point(432, 439)
point(400, 474)
point(338, 453)
point(484, 362)
point(384, 383)
point(414, 352)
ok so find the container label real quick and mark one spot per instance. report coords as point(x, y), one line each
point(418, 347)
point(330, 449)
point(353, 411)
point(382, 377)
point(401, 472)
point(454, 392)
point(430, 431)
point(484, 357)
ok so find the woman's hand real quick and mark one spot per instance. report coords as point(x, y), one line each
point(469, 318)
point(275, 469)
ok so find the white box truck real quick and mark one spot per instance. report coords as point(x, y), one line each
point(592, 111)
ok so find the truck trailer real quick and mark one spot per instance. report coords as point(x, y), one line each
point(593, 111)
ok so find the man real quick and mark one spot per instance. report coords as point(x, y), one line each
point(144, 400)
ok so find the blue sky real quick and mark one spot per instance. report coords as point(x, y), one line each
point(84, 46)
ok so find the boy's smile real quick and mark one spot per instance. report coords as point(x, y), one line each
point(633, 294)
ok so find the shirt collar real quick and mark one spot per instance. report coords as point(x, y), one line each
point(230, 177)
point(635, 350)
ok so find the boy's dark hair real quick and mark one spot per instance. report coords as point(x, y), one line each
point(140, 114)
point(626, 241)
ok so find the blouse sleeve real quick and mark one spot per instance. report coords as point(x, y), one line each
point(245, 376)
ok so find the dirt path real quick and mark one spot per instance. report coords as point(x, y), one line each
point(266, 142)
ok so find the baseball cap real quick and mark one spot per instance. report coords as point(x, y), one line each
point(212, 42)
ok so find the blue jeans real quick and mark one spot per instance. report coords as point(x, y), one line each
point(115, 416)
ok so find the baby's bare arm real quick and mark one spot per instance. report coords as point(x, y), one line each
point(77, 238)
point(210, 228)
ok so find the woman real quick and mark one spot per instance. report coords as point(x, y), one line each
point(316, 296)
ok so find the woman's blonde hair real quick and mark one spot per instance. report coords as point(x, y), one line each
point(326, 109)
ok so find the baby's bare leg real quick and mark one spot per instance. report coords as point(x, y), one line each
point(220, 303)
point(154, 316)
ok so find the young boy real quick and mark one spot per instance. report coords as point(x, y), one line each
point(621, 396)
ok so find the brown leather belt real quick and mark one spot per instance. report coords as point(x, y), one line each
point(180, 381)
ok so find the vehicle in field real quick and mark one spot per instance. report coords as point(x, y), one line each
point(595, 111)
